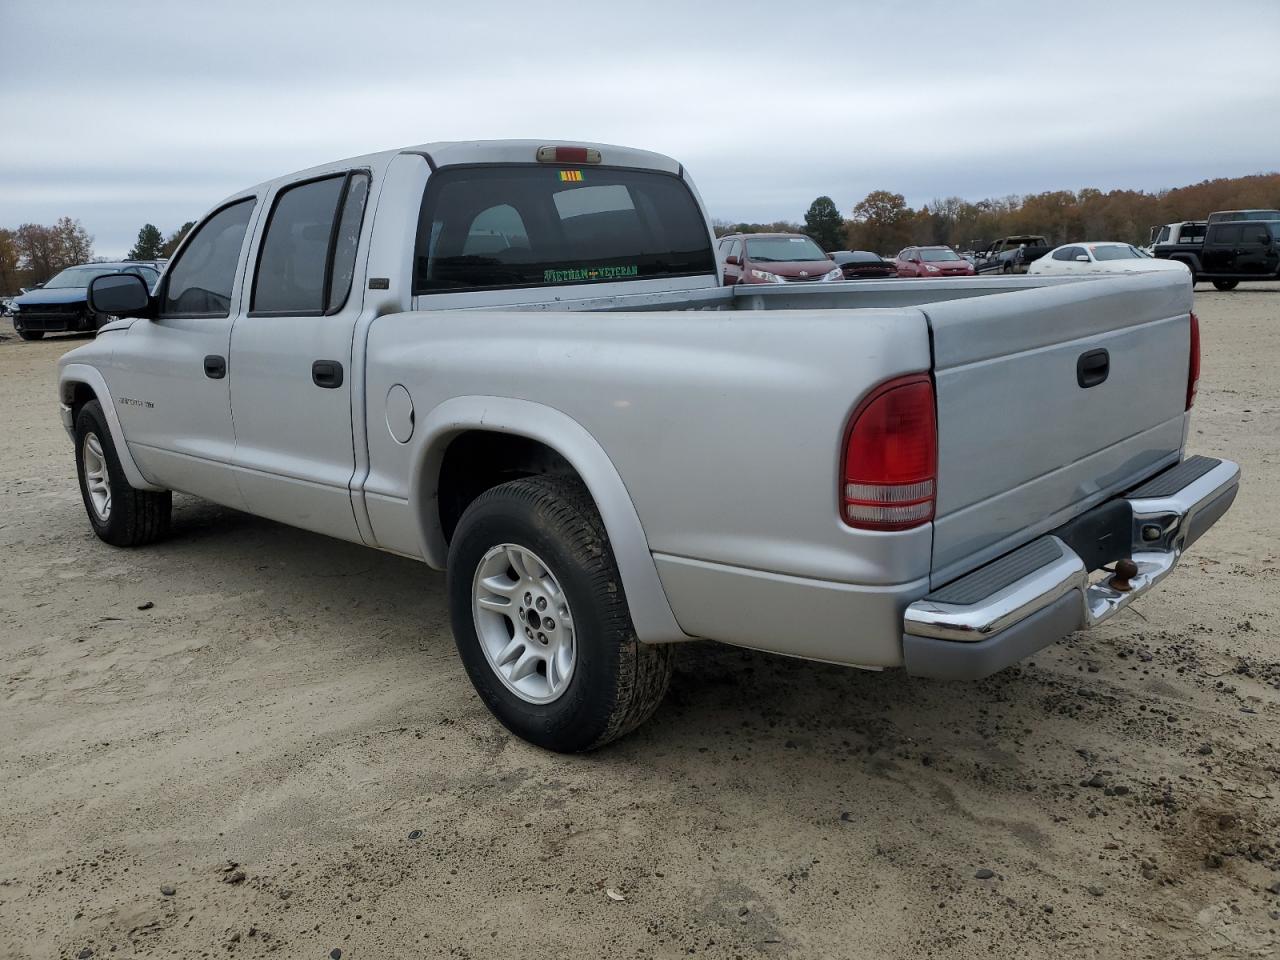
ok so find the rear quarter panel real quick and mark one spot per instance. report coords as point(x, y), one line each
point(725, 427)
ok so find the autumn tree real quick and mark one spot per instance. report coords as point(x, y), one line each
point(171, 242)
point(824, 224)
point(8, 261)
point(148, 244)
point(881, 222)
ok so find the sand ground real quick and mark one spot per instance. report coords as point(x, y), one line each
point(293, 706)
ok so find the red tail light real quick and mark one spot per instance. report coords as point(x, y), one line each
point(889, 475)
point(1193, 366)
point(550, 154)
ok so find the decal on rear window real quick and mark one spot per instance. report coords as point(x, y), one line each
point(571, 176)
point(590, 273)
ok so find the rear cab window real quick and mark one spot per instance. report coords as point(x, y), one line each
point(515, 225)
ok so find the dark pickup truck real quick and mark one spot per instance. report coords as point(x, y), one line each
point(1232, 250)
point(1011, 254)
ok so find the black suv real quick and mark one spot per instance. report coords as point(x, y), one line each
point(1232, 250)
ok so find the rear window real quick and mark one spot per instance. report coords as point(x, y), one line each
point(1115, 252)
point(533, 226)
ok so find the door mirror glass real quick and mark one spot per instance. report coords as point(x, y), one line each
point(120, 294)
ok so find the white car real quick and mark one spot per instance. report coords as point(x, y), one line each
point(1110, 257)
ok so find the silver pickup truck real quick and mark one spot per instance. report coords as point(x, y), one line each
point(515, 361)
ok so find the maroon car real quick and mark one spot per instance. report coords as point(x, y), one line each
point(864, 265)
point(932, 262)
point(775, 258)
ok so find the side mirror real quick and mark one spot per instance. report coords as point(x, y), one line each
point(831, 256)
point(732, 261)
point(120, 294)
point(1082, 258)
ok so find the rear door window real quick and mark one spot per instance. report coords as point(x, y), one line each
point(1227, 233)
point(200, 282)
point(308, 253)
point(531, 226)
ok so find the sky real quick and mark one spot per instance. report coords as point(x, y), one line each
point(122, 113)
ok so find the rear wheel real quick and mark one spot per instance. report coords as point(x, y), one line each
point(541, 621)
point(1226, 284)
point(1008, 268)
point(119, 514)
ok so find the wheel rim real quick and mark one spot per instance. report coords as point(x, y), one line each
point(524, 623)
point(96, 480)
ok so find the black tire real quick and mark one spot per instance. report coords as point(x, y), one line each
point(1226, 284)
point(617, 682)
point(31, 334)
point(135, 517)
point(1008, 268)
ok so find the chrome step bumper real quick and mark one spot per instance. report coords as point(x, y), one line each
point(1021, 603)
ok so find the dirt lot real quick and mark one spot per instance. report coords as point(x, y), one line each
point(284, 743)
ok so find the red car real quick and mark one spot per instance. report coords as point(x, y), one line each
point(775, 258)
point(932, 262)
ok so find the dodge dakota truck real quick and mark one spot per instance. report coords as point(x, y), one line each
point(516, 361)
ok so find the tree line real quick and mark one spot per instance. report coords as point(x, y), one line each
point(883, 222)
point(33, 253)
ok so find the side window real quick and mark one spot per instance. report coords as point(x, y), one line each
point(1164, 235)
point(346, 240)
point(1225, 233)
point(1065, 253)
point(1255, 234)
point(199, 284)
point(735, 249)
point(291, 264)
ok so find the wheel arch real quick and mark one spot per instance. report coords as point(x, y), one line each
point(78, 383)
point(578, 449)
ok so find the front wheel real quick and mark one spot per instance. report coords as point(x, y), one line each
point(119, 514)
point(31, 334)
point(541, 620)
point(1226, 284)
point(1008, 268)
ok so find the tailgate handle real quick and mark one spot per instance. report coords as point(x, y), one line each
point(1092, 368)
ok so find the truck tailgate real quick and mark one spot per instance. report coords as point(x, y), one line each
point(1023, 446)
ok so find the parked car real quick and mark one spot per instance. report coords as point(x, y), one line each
point(932, 263)
point(1222, 216)
point(610, 451)
point(775, 258)
point(1011, 254)
point(60, 306)
point(1109, 257)
point(1231, 251)
point(863, 265)
point(1185, 231)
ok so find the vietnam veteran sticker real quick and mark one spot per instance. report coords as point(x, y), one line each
point(579, 274)
point(570, 176)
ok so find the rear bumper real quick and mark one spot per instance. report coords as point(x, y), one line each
point(1026, 600)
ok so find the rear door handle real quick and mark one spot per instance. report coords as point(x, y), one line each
point(1092, 368)
point(327, 374)
point(215, 367)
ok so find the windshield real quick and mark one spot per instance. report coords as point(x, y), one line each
point(1116, 252)
point(938, 256)
point(784, 250)
point(78, 277)
point(533, 226)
